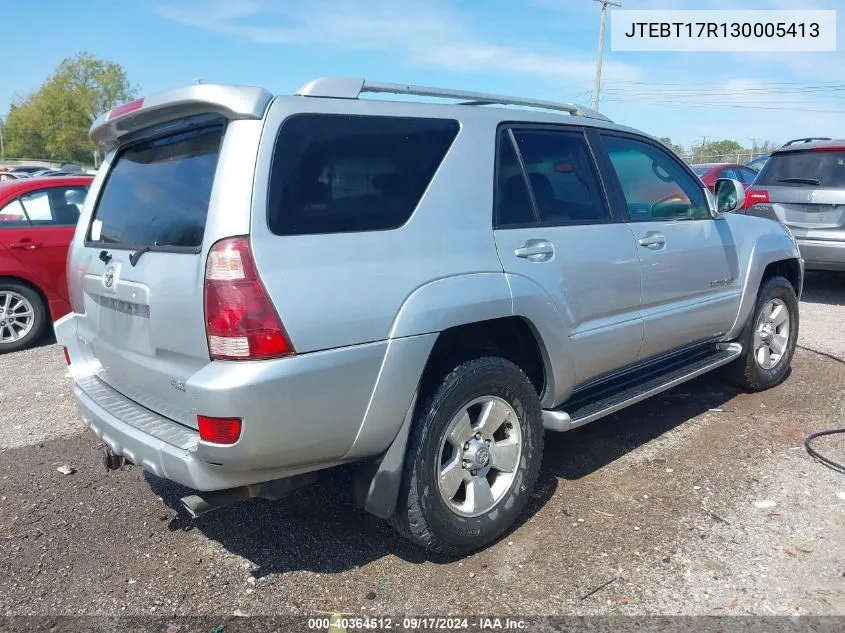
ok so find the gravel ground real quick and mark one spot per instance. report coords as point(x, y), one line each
point(699, 501)
point(823, 314)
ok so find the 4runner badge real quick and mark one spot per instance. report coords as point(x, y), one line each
point(108, 277)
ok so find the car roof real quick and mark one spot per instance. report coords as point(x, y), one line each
point(13, 188)
point(343, 95)
point(799, 146)
point(717, 165)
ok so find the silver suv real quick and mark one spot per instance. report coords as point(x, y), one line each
point(266, 287)
point(802, 185)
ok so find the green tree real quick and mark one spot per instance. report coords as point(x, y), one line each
point(53, 121)
point(720, 148)
point(679, 149)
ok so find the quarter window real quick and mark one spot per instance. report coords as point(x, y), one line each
point(654, 185)
point(339, 174)
point(13, 215)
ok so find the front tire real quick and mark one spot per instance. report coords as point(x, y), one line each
point(23, 316)
point(770, 342)
point(473, 458)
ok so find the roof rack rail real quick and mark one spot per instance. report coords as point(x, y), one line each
point(809, 139)
point(352, 88)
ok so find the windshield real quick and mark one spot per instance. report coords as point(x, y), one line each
point(820, 168)
point(157, 192)
point(699, 171)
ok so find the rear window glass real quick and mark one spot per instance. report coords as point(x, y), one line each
point(700, 171)
point(814, 168)
point(157, 192)
point(338, 174)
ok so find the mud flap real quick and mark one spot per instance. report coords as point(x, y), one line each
point(378, 483)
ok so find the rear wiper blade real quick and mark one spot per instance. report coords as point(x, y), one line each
point(802, 181)
point(134, 257)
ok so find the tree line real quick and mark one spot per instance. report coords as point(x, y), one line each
point(726, 149)
point(53, 122)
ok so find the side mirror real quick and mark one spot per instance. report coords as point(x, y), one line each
point(730, 195)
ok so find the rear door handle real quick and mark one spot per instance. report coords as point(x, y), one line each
point(536, 251)
point(26, 244)
point(653, 240)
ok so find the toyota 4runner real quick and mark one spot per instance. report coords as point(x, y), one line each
point(266, 287)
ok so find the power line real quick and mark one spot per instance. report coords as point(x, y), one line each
point(688, 104)
point(771, 83)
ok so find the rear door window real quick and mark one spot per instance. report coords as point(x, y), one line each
point(564, 182)
point(157, 192)
point(820, 168)
point(338, 174)
point(57, 206)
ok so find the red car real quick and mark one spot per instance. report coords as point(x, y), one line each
point(711, 172)
point(37, 220)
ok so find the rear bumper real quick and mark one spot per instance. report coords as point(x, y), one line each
point(161, 446)
point(822, 254)
point(300, 414)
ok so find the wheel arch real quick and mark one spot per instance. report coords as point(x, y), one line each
point(29, 284)
point(773, 253)
point(376, 486)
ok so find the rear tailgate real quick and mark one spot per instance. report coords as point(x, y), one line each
point(806, 191)
point(178, 177)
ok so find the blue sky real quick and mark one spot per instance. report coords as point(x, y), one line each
point(538, 48)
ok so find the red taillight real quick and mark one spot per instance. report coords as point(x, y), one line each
point(67, 356)
point(755, 196)
point(240, 321)
point(219, 430)
point(126, 108)
point(829, 148)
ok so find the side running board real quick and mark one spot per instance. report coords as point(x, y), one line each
point(580, 411)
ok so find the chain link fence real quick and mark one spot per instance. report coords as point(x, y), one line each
point(742, 158)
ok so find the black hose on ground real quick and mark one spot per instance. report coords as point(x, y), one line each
point(834, 465)
point(818, 456)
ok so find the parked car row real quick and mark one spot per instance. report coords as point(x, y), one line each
point(20, 172)
point(802, 186)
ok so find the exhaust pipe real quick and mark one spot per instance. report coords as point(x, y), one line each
point(204, 502)
point(200, 504)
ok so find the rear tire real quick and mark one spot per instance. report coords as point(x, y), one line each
point(769, 344)
point(473, 458)
point(23, 316)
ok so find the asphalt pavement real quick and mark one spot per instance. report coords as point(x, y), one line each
point(699, 501)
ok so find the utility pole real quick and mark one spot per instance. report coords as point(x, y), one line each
point(2, 146)
point(597, 89)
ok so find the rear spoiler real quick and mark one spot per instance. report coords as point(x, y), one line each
point(233, 102)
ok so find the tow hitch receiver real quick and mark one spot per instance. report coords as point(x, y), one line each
point(113, 461)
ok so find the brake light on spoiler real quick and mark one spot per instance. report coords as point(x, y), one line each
point(126, 108)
